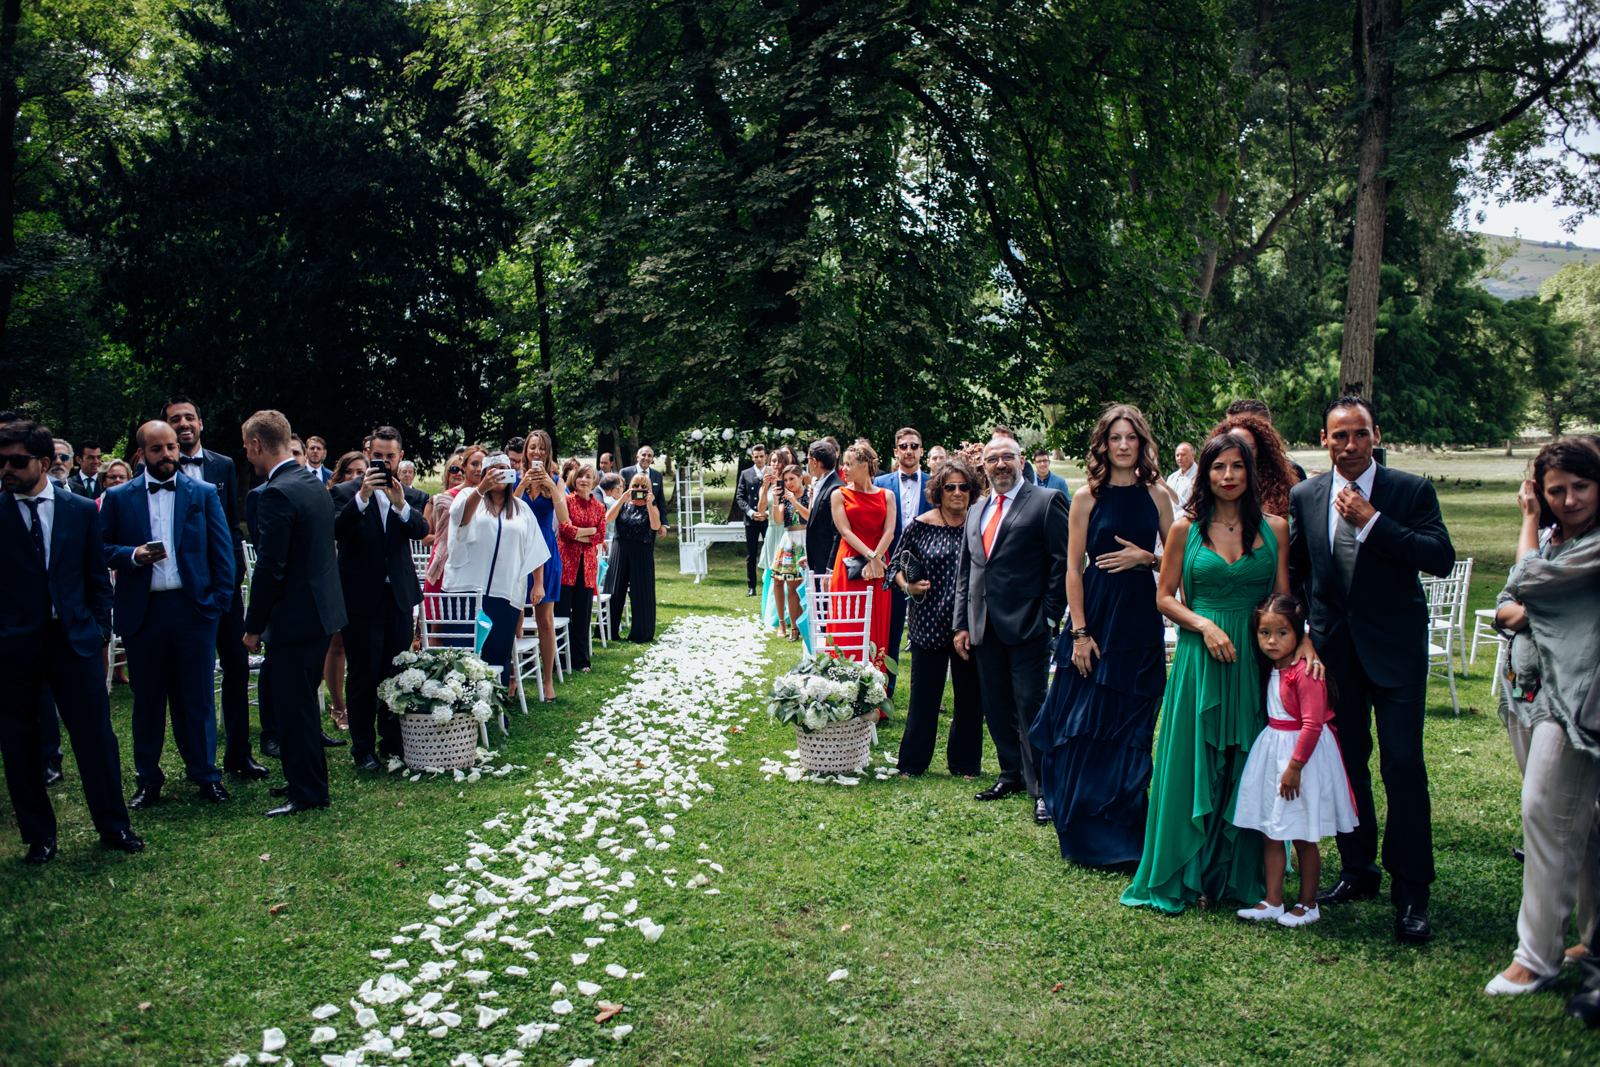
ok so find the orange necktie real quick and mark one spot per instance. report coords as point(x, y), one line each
point(993, 526)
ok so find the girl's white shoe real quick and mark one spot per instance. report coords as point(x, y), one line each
point(1261, 912)
point(1289, 918)
point(1501, 986)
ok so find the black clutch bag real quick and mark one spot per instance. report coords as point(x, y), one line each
point(910, 564)
point(854, 566)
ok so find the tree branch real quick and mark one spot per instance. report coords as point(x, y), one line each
point(1585, 46)
point(1248, 252)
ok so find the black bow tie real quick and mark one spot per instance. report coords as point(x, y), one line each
point(196, 459)
point(156, 487)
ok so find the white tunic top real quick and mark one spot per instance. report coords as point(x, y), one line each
point(522, 550)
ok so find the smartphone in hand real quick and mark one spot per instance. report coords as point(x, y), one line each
point(155, 550)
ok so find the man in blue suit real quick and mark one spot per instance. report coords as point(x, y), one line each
point(909, 485)
point(55, 617)
point(168, 601)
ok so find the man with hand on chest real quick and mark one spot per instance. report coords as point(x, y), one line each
point(167, 539)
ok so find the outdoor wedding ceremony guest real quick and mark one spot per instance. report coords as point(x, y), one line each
point(1551, 602)
point(513, 451)
point(933, 538)
point(604, 463)
point(788, 564)
point(1249, 405)
point(747, 500)
point(166, 608)
point(1293, 788)
point(634, 522)
point(316, 452)
point(936, 456)
point(463, 472)
point(909, 487)
point(115, 472)
point(375, 520)
point(1095, 730)
point(407, 473)
point(351, 468)
point(645, 457)
point(1361, 534)
point(1225, 555)
point(297, 450)
point(822, 537)
point(863, 514)
point(1181, 481)
point(86, 480)
point(496, 547)
point(581, 536)
point(1043, 476)
point(218, 470)
point(1273, 470)
point(770, 494)
point(296, 604)
point(1011, 589)
point(55, 617)
point(546, 497)
point(61, 463)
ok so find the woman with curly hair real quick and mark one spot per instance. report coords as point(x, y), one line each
point(1097, 726)
point(1274, 469)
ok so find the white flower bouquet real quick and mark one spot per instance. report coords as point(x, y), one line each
point(822, 690)
point(443, 683)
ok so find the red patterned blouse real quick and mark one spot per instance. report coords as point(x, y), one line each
point(581, 513)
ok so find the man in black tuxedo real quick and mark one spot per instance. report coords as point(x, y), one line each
point(1010, 589)
point(822, 536)
point(220, 471)
point(747, 500)
point(86, 481)
point(55, 617)
point(168, 601)
point(296, 603)
point(1361, 532)
point(376, 521)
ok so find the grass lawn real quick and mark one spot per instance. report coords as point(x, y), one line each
point(967, 939)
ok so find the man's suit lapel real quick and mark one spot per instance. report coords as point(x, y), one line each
point(12, 518)
point(141, 507)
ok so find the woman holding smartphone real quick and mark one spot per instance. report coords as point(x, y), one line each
point(635, 522)
point(495, 544)
point(466, 468)
point(547, 498)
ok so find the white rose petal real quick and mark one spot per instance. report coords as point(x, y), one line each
point(839, 975)
point(588, 989)
point(561, 1007)
point(323, 1034)
point(272, 1039)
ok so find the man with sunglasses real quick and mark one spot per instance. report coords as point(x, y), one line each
point(55, 617)
point(909, 487)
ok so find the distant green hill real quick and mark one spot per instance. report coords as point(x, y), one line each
point(1533, 262)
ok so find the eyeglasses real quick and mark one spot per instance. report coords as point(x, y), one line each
point(455, 470)
point(956, 487)
point(999, 457)
point(63, 457)
point(19, 462)
point(909, 446)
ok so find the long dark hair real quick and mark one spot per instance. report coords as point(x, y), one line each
point(1574, 455)
point(1097, 466)
point(1293, 609)
point(1202, 500)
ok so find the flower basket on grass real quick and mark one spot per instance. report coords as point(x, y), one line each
point(444, 697)
point(834, 705)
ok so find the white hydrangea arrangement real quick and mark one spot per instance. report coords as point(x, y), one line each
point(823, 689)
point(443, 683)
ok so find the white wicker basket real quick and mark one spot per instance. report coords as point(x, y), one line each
point(838, 747)
point(448, 746)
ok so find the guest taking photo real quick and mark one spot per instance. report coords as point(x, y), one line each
point(581, 537)
point(634, 522)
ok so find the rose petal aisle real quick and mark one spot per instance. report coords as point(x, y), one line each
point(453, 985)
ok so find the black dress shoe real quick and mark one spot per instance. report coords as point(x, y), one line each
point(1584, 1006)
point(214, 792)
point(290, 807)
point(996, 791)
point(271, 750)
point(41, 852)
point(246, 768)
point(369, 762)
point(279, 790)
point(123, 841)
point(1519, 855)
point(1411, 926)
point(751, 591)
point(146, 796)
point(332, 742)
point(1041, 814)
point(53, 775)
point(1346, 890)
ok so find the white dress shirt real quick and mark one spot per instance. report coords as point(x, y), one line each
point(163, 572)
point(197, 471)
point(384, 507)
point(1364, 487)
point(1002, 500)
point(47, 513)
point(911, 502)
point(1182, 482)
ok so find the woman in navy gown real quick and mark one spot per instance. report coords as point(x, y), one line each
point(1096, 728)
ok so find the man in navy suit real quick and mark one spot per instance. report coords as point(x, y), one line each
point(55, 617)
point(168, 601)
point(375, 522)
point(316, 452)
point(909, 485)
point(216, 469)
point(1359, 535)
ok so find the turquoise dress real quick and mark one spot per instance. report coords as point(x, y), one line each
point(1210, 716)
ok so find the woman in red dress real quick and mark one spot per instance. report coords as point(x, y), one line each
point(863, 516)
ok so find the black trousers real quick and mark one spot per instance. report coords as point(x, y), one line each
point(293, 672)
point(964, 750)
point(897, 629)
point(79, 687)
point(169, 664)
point(633, 575)
point(1015, 679)
point(235, 683)
point(1408, 831)
point(49, 728)
point(371, 642)
point(577, 607)
point(754, 532)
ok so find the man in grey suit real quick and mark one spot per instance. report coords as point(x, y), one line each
point(1010, 590)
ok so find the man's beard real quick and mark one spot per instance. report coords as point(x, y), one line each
point(164, 470)
point(1003, 480)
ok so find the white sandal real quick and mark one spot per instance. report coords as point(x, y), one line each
point(1261, 912)
point(1501, 986)
point(1289, 918)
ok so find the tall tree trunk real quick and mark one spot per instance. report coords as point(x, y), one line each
point(542, 299)
point(1375, 30)
point(1206, 276)
point(10, 104)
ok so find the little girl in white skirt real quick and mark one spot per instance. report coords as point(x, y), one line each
point(1293, 787)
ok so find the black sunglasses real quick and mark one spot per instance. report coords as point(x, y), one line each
point(20, 462)
point(956, 487)
point(909, 446)
point(455, 470)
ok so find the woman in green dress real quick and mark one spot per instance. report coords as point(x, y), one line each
point(1227, 555)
